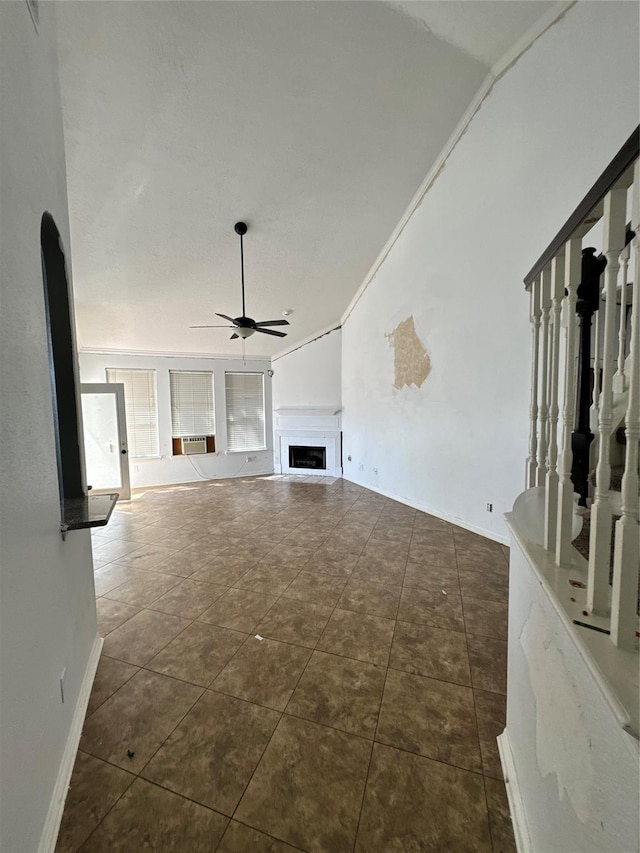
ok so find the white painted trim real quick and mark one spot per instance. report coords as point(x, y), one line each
point(333, 327)
point(170, 354)
point(514, 795)
point(503, 540)
point(56, 806)
point(500, 68)
point(533, 34)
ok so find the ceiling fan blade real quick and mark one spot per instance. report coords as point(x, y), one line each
point(271, 332)
point(224, 316)
point(273, 323)
point(210, 327)
point(234, 336)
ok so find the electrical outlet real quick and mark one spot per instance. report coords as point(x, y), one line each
point(489, 507)
point(251, 458)
point(375, 470)
point(62, 678)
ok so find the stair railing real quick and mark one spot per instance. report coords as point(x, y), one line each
point(567, 286)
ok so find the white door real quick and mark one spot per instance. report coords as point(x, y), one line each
point(105, 438)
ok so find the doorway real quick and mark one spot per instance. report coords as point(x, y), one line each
point(105, 438)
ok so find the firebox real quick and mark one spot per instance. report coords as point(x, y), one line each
point(307, 457)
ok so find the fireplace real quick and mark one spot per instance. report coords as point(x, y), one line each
point(302, 456)
point(308, 441)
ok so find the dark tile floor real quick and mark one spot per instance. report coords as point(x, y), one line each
point(292, 665)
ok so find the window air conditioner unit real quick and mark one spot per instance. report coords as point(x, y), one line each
point(194, 444)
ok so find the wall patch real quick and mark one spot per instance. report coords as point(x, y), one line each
point(411, 360)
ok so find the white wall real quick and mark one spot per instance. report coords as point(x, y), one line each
point(542, 136)
point(310, 375)
point(168, 468)
point(47, 609)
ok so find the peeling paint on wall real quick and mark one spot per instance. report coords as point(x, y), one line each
point(563, 744)
point(411, 360)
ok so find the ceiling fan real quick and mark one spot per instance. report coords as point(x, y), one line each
point(244, 326)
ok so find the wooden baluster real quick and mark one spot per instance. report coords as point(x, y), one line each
point(597, 364)
point(543, 417)
point(626, 562)
point(572, 267)
point(551, 491)
point(615, 204)
point(534, 317)
point(619, 379)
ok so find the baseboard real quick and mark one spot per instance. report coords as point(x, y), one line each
point(516, 803)
point(56, 806)
point(503, 540)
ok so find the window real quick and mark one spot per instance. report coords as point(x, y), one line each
point(192, 413)
point(141, 409)
point(245, 411)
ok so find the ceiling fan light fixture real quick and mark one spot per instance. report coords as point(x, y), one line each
point(244, 332)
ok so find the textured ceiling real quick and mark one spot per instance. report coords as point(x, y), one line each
point(315, 122)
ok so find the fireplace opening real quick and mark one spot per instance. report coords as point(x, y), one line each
point(307, 457)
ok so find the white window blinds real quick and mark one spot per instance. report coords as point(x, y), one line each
point(245, 411)
point(141, 409)
point(191, 403)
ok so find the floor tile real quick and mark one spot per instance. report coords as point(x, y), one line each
point(137, 718)
point(94, 788)
point(266, 578)
point(263, 671)
point(434, 578)
point(485, 585)
point(386, 549)
point(414, 804)
point(378, 569)
point(114, 549)
point(499, 817)
point(142, 588)
point(188, 599)
point(488, 659)
point(110, 676)
point(220, 571)
point(339, 565)
point(358, 635)
point(435, 538)
point(151, 818)
point(308, 787)
point(142, 636)
point(428, 607)
point(316, 588)
point(198, 654)
point(433, 652)
point(243, 839)
point(145, 557)
point(290, 555)
point(486, 618)
point(110, 577)
point(294, 621)
point(433, 718)
point(491, 713)
point(477, 560)
point(435, 555)
point(112, 614)
point(375, 599)
point(212, 754)
point(182, 563)
point(339, 692)
point(239, 609)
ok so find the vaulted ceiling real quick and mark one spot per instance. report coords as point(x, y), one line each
point(315, 122)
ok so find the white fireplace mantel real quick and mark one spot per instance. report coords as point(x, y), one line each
point(315, 427)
